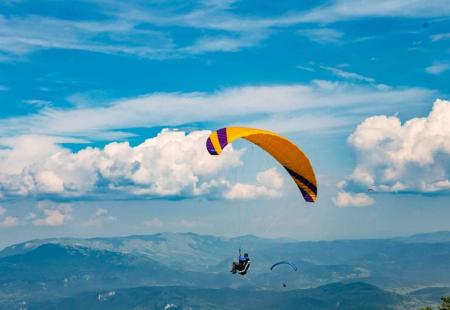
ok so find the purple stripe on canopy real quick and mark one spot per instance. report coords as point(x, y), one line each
point(210, 147)
point(305, 195)
point(222, 135)
point(304, 181)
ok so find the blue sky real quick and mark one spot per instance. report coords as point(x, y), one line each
point(106, 104)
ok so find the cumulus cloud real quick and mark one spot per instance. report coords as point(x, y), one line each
point(100, 217)
point(52, 218)
point(346, 199)
point(9, 221)
point(268, 185)
point(250, 191)
point(52, 214)
point(173, 163)
point(270, 178)
point(409, 157)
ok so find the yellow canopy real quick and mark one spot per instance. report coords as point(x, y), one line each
point(283, 150)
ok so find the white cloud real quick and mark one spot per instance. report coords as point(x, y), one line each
point(348, 75)
point(19, 36)
point(48, 182)
point(322, 35)
point(250, 191)
point(341, 10)
point(38, 165)
point(171, 164)
point(440, 36)
point(124, 29)
point(413, 156)
point(438, 68)
point(346, 199)
point(18, 152)
point(270, 178)
point(224, 43)
point(218, 18)
point(9, 221)
point(53, 214)
point(100, 217)
point(268, 185)
point(158, 109)
point(52, 218)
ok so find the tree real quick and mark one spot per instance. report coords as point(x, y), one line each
point(445, 305)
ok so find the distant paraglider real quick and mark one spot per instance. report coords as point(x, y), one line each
point(291, 265)
point(284, 151)
point(284, 263)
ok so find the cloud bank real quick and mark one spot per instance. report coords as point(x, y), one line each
point(172, 164)
point(409, 157)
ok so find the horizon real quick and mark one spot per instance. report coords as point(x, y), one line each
point(281, 239)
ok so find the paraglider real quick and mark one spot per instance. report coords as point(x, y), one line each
point(242, 265)
point(284, 263)
point(289, 155)
point(284, 151)
point(291, 265)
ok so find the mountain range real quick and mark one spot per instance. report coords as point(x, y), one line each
point(48, 273)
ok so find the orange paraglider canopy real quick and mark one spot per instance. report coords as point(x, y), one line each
point(284, 151)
